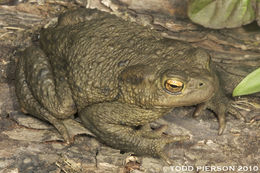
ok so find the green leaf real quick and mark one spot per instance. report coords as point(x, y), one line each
point(258, 12)
point(250, 84)
point(199, 5)
point(221, 13)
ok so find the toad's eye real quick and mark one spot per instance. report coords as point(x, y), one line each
point(173, 86)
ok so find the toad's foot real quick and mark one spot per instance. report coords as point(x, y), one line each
point(220, 105)
point(146, 132)
point(58, 124)
point(219, 112)
point(158, 146)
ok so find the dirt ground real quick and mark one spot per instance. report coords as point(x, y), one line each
point(30, 145)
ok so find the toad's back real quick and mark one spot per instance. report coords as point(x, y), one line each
point(95, 51)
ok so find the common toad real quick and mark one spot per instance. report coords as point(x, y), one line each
point(118, 76)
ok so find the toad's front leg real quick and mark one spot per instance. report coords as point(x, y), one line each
point(220, 105)
point(115, 125)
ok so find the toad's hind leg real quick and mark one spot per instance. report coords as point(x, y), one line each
point(36, 91)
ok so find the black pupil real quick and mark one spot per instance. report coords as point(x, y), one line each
point(174, 86)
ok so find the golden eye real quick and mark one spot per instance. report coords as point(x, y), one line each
point(173, 86)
